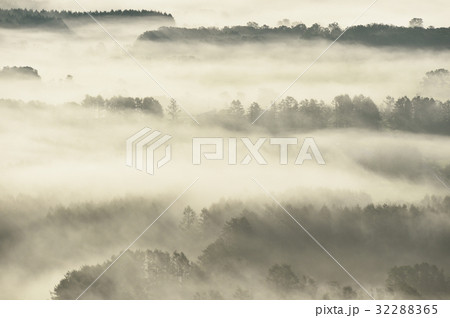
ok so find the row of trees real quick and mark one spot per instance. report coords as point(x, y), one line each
point(372, 34)
point(17, 18)
point(157, 273)
point(240, 257)
point(112, 13)
point(419, 114)
point(119, 103)
point(23, 18)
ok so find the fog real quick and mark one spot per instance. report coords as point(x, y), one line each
point(66, 156)
point(217, 13)
point(205, 77)
point(67, 198)
point(59, 151)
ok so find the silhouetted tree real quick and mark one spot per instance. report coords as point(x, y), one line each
point(254, 111)
point(173, 110)
point(236, 109)
point(402, 115)
point(416, 23)
point(151, 105)
point(189, 220)
point(181, 267)
point(344, 109)
point(366, 114)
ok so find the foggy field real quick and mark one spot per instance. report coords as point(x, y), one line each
point(70, 200)
point(69, 204)
point(206, 76)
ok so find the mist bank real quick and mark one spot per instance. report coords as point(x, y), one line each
point(60, 151)
point(53, 19)
point(378, 35)
point(230, 245)
point(244, 250)
point(251, 72)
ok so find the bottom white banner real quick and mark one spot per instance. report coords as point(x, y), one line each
point(224, 308)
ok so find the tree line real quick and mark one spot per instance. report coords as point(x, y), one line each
point(371, 34)
point(19, 72)
point(418, 114)
point(255, 256)
point(119, 103)
point(25, 18)
point(156, 273)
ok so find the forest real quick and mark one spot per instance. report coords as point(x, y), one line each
point(262, 254)
point(417, 114)
point(53, 19)
point(378, 35)
point(75, 96)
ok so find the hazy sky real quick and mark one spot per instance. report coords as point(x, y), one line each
point(215, 12)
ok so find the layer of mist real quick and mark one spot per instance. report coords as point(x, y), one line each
point(261, 253)
point(69, 204)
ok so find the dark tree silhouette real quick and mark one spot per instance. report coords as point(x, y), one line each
point(189, 220)
point(373, 34)
point(25, 18)
point(173, 110)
